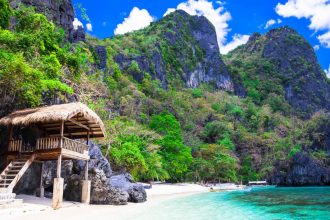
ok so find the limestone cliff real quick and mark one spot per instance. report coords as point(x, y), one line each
point(282, 62)
point(60, 12)
point(178, 49)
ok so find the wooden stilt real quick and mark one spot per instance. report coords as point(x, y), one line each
point(10, 136)
point(58, 193)
point(62, 134)
point(87, 137)
point(86, 170)
point(59, 159)
point(86, 191)
point(59, 165)
point(42, 189)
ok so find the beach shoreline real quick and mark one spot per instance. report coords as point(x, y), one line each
point(35, 208)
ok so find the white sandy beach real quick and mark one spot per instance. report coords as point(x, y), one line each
point(35, 208)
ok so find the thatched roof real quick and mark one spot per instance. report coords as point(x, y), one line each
point(50, 116)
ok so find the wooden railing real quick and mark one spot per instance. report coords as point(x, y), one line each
point(15, 145)
point(74, 145)
point(48, 143)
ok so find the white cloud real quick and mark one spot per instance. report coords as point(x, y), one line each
point(325, 39)
point(137, 19)
point(89, 27)
point(317, 11)
point(238, 40)
point(327, 72)
point(316, 47)
point(218, 16)
point(76, 23)
point(272, 22)
point(169, 10)
point(269, 23)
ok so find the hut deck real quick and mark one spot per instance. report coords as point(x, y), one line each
point(50, 154)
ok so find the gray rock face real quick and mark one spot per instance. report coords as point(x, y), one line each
point(61, 12)
point(211, 68)
point(78, 35)
point(125, 181)
point(102, 56)
point(30, 181)
point(303, 171)
point(199, 63)
point(305, 84)
point(103, 193)
point(97, 161)
point(73, 188)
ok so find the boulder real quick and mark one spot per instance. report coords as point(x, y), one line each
point(73, 188)
point(125, 181)
point(103, 193)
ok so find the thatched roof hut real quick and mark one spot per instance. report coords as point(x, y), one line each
point(77, 117)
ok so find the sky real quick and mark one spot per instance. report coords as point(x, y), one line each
point(234, 21)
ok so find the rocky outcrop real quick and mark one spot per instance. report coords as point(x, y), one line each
point(301, 171)
point(103, 192)
point(188, 51)
point(101, 54)
point(60, 12)
point(107, 188)
point(306, 88)
point(284, 56)
point(78, 34)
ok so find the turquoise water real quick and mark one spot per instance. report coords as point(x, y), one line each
point(271, 203)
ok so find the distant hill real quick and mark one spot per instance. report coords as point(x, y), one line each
point(281, 63)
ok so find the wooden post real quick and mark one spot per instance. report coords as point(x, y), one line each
point(86, 170)
point(59, 158)
point(59, 164)
point(10, 135)
point(86, 191)
point(58, 182)
point(86, 184)
point(87, 137)
point(42, 189)
point(58, 193)
point(62, 134)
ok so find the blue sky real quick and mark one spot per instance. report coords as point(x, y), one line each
point(234, 20)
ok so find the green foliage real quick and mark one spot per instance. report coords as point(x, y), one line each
point(126, 153)
point(247, 172)
point(177, 157)
point(215, 131)
point(134, 68)
point(321, 156)
point(196, 93)
point(32, 60)
point(215, 162)
point(227, 143)
point(5, 13)
point(296, 149)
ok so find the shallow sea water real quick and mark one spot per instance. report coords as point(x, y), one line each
point(268, 203)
